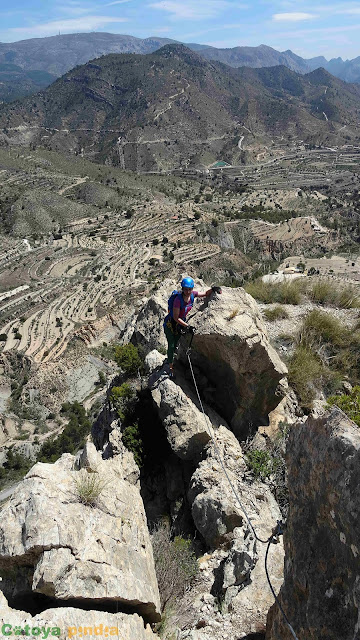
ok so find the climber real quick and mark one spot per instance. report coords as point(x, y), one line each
point(179, 305)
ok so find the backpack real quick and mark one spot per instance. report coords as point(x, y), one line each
point(182, 303)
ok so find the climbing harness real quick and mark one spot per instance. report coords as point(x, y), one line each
point(278, 530)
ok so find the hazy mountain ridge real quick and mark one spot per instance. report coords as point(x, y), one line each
point(348, 70)
point(58, 54)
point(257, 57)
point(172, 108)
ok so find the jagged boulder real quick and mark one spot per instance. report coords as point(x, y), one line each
point(231, 346)
point(187, 429)
point(107, 435)
point(220, 519)
point(153, 361)
point(71, 550)
point(69, 622)
point(321, 591)
point(146, 328)
point(215, 509)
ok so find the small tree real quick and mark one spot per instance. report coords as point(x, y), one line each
point(128, 359)
point(122, 398)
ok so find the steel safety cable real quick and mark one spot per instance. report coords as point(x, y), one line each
point(271, 539)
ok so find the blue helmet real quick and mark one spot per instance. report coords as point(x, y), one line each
point(187, 283)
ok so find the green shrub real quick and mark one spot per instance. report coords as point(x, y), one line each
point(122, 398)
point(348, 298)
point(102, 379)
point(275, 313)
point(349, 404)
point(128, 359)
point(305, 374)
point(3, 337)
point(320, 327)
point(132, 440)
point(288, 292)
point(261, 463)
point(73, 436)
point(15, 467)
point(326, 292)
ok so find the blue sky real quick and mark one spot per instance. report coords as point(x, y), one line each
point(308, 28)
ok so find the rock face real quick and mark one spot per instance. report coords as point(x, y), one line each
point(74, 551)
point(220, 519)
point(232, 348)
point(237, 575)
point(178, 408)
point(72, 623)
point(147, 329)
point(321, 591)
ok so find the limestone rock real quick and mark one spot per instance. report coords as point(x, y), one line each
point(321, 591)
point(153, 360)
point(241, 559)
point(101, 553)
point(148, 327)
point(219, 517)
point(126, 467)
point(107, 436)
point(72, 623)
point(232, 347)
point(187, 429)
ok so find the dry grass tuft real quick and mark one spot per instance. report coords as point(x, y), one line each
point(233, 313)
point(89, 487)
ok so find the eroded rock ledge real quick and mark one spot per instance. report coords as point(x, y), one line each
point(71, 551)
point(120, 625)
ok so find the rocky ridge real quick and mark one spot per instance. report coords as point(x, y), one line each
point(104, 563)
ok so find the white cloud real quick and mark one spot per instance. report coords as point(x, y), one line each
point(354, 11)
point(75, 25)
point(189, 10)
point(293, 17)
point(111, 4)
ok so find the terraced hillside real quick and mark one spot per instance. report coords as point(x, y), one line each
point(84, 262)
point(81, 244)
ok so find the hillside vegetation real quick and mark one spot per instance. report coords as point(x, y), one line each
point(169, 108)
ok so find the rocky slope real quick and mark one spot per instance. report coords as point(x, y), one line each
point(104, 563)
point(66, 562)
point(172, 108)
point(233, 568)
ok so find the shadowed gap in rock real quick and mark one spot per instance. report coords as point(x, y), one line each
point(35, 603)
point(164, 478)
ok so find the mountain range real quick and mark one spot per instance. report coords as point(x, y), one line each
point(54, 56)
point(173, 108)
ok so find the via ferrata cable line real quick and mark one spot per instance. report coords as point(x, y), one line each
point(278, 529)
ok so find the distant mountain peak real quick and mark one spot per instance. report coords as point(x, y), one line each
point(180, 51)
